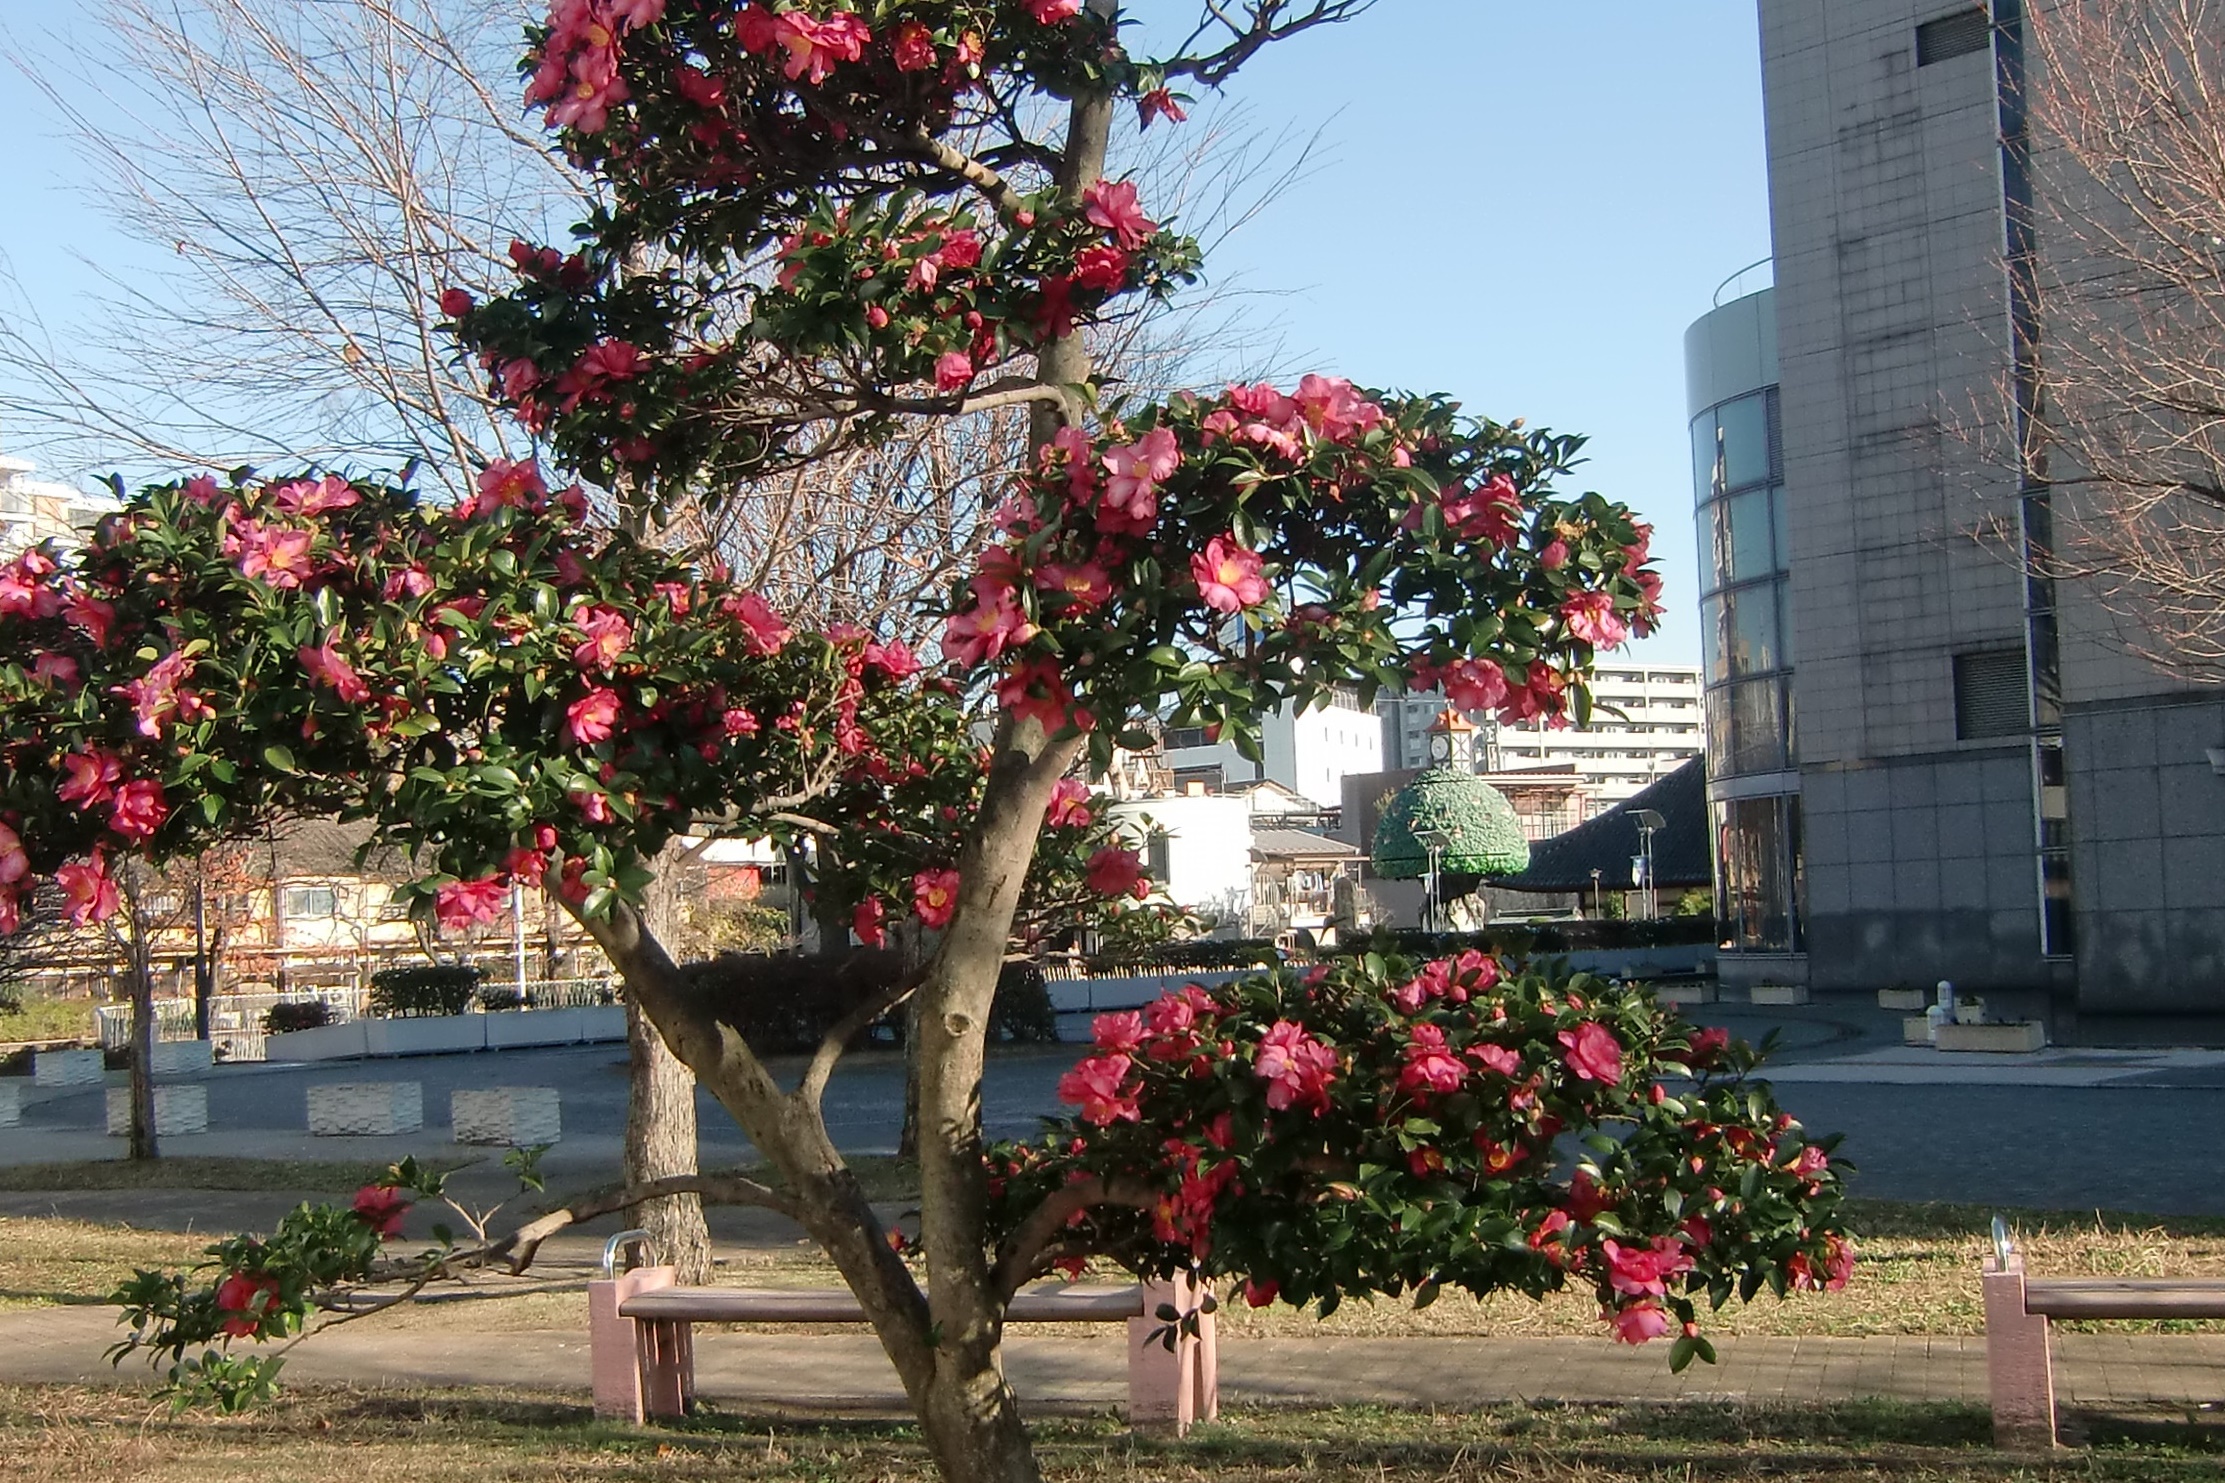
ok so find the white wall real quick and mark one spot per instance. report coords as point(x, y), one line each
point(1208, 847)
point(1308, 754)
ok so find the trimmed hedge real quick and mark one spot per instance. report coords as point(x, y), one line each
point(290, 1015)
point(784, 1004)
point(427, 989)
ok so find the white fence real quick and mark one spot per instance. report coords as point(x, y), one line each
point(236, 1021)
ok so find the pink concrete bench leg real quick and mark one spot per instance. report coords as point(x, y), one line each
point(2020, 1371)
point(620, 1349)
point(1180, 1388)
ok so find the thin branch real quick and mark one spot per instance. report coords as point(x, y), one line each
point(1029, 1252)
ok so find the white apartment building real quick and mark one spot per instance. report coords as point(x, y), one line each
point(1657, 731)
point(35, 510)
point(1309, 754)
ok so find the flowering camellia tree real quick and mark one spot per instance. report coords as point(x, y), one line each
point(823, 218)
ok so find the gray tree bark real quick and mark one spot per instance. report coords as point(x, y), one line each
point(661, 1141)
point(144, 1143)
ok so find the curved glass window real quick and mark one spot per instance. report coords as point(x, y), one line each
point(1745, 425)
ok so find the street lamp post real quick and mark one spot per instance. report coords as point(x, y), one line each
point(1436, 841)
point(1649, 822)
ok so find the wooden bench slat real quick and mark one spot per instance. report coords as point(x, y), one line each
point(839, 1305)
point(2125, 1297)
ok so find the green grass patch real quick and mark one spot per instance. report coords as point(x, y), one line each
point(42, 1018)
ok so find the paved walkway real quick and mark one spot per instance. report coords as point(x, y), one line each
point(811, 1372)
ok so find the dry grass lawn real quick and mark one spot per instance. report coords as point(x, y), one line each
point(338, 1436)
point(1917, 1274)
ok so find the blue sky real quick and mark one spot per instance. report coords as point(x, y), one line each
point(1520, 204)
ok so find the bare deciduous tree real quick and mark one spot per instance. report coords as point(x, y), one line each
point(2126, 104)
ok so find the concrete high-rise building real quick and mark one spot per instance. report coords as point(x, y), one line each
point(1307, 752)
point(1656, 732)
point(34, 510)
point(1923, 764)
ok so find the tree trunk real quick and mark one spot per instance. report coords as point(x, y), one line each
point(661, 1141)
point(144, 1144)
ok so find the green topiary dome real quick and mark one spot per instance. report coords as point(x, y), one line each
point(1486, 837)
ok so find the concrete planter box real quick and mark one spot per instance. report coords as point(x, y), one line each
point(519, 1027)
point(324, 1043)
point(1915, 1030)
point(182, 1058)
point(423, 1037)
point(1915, 1000)
point(69, 1068)
point(1686, 993)
point(602, 1022)
point(506, 1117)
point(1778, 994)
point(2016, 1037)
point(366, 1109)
point(178, 1111)
point(11, 1101)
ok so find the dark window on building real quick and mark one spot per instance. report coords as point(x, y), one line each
point(1956, 35)
point(1990, 695)
point(1182, 738)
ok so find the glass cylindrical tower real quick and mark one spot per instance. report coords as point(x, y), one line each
point(1730, 360)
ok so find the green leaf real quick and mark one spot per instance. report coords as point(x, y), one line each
point(280, 758)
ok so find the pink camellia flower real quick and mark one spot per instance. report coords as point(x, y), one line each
point(274, 553)
point(605, 635)
point(1502, 1059)
point(246, 1300)
point(326, 667)
point(1593, 1053)
point(1259, 1292)
point(15, 861)
point(980, 634)
point(89, 891)
point(869, 921)
point(604, 364)
point(89, 778)
point(1101, 267)
point(935, 898)
point(1297, 1068)
point(90, 616)
point(455, 303)
point(1640, 1271)
point(1228, 576)
point(1333, 409)
point(1591, 617)
point(1121, 1033)
point(764, 631)
point(1708, 1044)
point(505, 484)
point(1111, 206)
point(315, 496)
point(1810, 1162)
point(1037, 690)
point(1131, 497)
point(139, 809)
point(462, 905)
point(1051, 12)
point(913, 46)
point(1175, 1016)
point(1430, 1067)
point(953, 370)
point(1637, 1323)
point(1100, 1087)
point(1069, 805)
point(1473, 684)
point(1554, 556)
point(1158, 104)
point(381, 1207)
point(51, 669)
point(593, 717)
point(1113, 871)
point(815, 46)
point(11, 912)
point(1084, 585)
point(202, 490)
point(26, 590)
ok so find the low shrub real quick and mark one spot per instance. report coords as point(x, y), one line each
point(426, 989)
point(1022, 1013)
point(296, 1014)
point(496, 1000)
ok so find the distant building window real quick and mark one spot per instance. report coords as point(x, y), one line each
point(85, 517)
point(14, 499)
point(312, 901)
point(1956, 35)
point(1183, 738)
point(1991, 699)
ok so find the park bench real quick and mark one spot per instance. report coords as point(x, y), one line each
point(641, 1335)
point(2020, 1370)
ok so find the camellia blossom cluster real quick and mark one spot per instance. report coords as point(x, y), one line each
point(1408, 1115)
